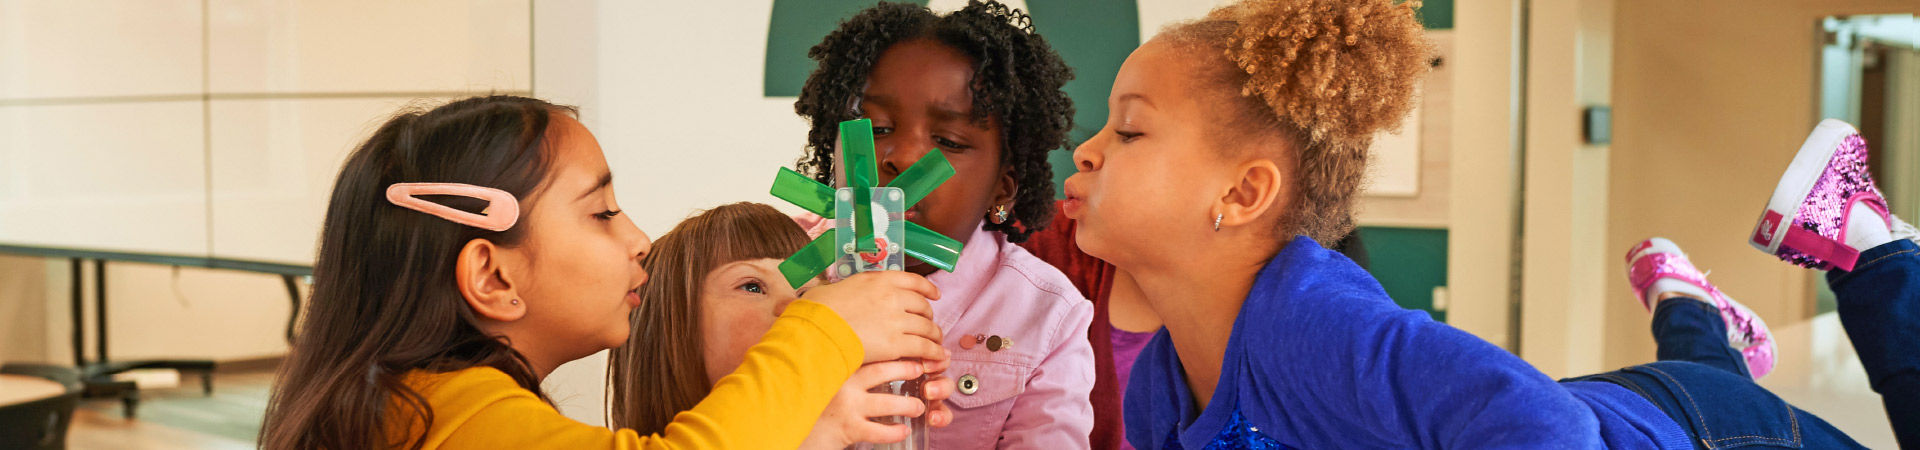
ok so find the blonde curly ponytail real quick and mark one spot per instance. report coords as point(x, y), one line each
point(1324, 75)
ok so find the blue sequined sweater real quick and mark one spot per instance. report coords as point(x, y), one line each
point(1320, 357)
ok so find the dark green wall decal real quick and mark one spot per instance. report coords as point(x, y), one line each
point(1094, 41)
point(1409, 262)
point(797, 26)
point(1437, 14)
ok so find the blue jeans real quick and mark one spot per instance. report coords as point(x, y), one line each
point(1702, 383)
point(1880, 309)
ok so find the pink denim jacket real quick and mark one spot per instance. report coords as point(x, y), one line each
point(1032, 394)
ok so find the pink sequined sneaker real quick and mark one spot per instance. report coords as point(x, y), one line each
point(1656, 266)
point(1806, 221)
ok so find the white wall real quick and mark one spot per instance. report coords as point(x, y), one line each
point(166, 127)
point(684, 126)
point(43, 129)
point(566, 36)
point(157, 126)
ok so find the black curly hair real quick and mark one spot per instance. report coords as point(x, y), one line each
point(1016, 79)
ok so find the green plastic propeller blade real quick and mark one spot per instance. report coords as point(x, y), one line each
point(817, 256)
point(925, 175)
point(856, 154)
point(932, 247)
point(862, 174)
point(858, 174)
point(863, 221)
point(803, 192)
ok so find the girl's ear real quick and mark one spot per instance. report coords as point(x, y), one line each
point(1259, 189)
point(1004, 191)
point(484, 283)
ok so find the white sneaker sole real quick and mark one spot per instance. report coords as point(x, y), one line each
point(1794, 185)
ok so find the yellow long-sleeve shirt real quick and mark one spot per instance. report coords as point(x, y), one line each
point(770, 402)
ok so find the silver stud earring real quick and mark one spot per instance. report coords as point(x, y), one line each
point(1216, 221)
point(515, 301)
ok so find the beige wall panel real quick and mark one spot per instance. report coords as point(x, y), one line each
point(1707, 113)
point(370, 46)
point(99, 48)
point(127, 177)
point(274, 164)
point(1429, 208)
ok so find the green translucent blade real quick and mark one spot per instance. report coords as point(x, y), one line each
point(859, 171)
point(801, 191)
point(932, 247)
point(817, 256)
point(856, 154)
point(863, 221)
point(925, 175)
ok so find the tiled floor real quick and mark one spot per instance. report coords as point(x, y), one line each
point(1818, 371)
point(178, 418)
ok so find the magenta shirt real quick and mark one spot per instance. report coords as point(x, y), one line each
point(1126, 348)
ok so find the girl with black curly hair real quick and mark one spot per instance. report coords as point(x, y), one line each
point(980, 86)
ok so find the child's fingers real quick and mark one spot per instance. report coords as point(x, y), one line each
point(872, 375)
point(877, 433)
point(905, 346)
point(922, 327)
point(913, 303)
point(935, 366)
point(883, 405)
point(940, 416)
point(937, 388)
point(907, 280)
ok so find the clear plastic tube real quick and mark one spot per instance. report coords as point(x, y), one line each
point(917, 440)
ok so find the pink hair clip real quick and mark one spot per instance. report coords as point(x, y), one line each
point(501, 213)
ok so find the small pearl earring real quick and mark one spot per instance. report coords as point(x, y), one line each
point(516, 301)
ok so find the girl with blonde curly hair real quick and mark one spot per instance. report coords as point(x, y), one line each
point(1234, 149)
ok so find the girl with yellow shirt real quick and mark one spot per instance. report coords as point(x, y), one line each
point(470, 249)
point(716, 289)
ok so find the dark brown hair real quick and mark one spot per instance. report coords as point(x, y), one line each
point(384, 301)
point(662, 369)
point(1017, 80)
point(1323, 76)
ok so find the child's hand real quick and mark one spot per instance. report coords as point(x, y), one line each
point(888, 311)
point(847, 418)
point(936, 390)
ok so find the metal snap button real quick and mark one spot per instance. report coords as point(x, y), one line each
point(968, 384)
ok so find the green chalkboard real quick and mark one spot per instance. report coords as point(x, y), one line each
point(1437, 14)
point(1093, 41)
point(1409, 262)
point(797, 26)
